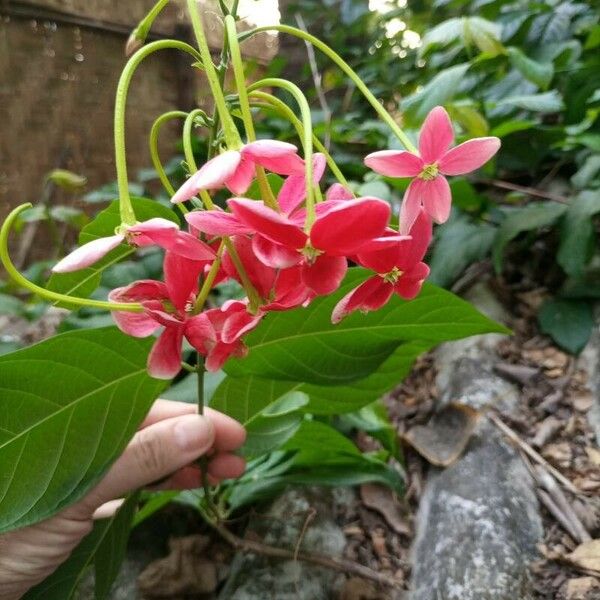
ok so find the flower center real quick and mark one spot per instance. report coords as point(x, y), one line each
point(429, 172)
point(393, 276)
point(310, 254)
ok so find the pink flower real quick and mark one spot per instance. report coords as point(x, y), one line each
point(217, 333)
point(235, 169)
point(430, 188)
point(162, 232)
point(341, 228)
point(399, 269)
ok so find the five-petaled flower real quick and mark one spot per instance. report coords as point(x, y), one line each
point(430, 189)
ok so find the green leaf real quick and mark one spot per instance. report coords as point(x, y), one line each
point(9, 305)
point(587, 173)
point(470, 119)
point(484, 34)
point(568, 322)
point(531, 217)
point(577, 233)
point(104, 547)
point(443, 34)
point(83, 283)
point(458, 244)
point(110, 191)
point(507, 127)
point(303, 345)
point(274, 425)
point(438, 91)
point(67, 180)
point(548, 102)
point(537, 72)
point(68, 407)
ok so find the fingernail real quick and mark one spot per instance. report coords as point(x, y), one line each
point(194, 433)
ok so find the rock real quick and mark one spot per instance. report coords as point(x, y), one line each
point(589, 361)
point(257, 578)
point(478, 522)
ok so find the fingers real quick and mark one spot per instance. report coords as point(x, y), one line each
point(226, 466)
point(229, 434)
point(153, 453)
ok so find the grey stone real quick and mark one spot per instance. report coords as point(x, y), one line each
point(589, 361)
point(478, 522)
point(257, 578)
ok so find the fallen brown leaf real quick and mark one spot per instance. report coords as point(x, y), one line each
point(593, 455)
point(582, 588)
point(382, 499)
point(444, 438)
point(361, 589)
point(583, 402)
point(586, 556)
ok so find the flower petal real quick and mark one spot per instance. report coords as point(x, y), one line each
point(325, 275)
point(436, 135)
point(412, 251)
point(216, 222)
point(293, 191)
point(290, 290)
point(350, 225)
point(437, 198)
point(200, 333)
point(138, 325)
point(410, 284)
point(469, 156)
point(276, 156)
point(221, 353)
point(164, 360)
point(212, 175)
point(370, 295)
point(381, 261)
point(240, 181)
point(274, 255)
point(267, 222)
point(181, 278)
point(338, 192)
point(395, 163)
point(87, 254)
point(238, 325)
point(411, 205)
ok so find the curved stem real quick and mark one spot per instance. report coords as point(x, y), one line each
point(13, 272)
point(273, 103)
point(346, 68)
point(188, 150)
point(126, 209)
point(153, 143)
point(232, 137)
point(307, 138)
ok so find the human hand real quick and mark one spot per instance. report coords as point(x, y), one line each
point(170, 439)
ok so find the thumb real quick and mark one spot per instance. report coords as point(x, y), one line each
point(153, 453)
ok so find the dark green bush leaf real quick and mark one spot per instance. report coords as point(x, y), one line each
point(537, 72)
point(68, 407)
point(568, 322)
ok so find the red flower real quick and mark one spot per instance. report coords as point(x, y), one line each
point(399, 269)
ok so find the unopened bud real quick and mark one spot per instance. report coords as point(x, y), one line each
point(134, 43)
point(67, 179)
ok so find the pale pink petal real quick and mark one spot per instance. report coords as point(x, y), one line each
point(293, 191)
point(274, 255)
point(240, 180)
point(149, 227)
point(338, 192)
point(469, 156)
point(268, 223)
point(395, 163)
point(216, 222)
point(200, 333)
point(412, 251)
point(410, 284)
point(325, 275)
point(181, 278)
point(437, 198)
point(276, 156)
point(135, 324)
point(370, 295)
point(212, 175)
point(238, 324)
point(411, 205)
point(164, 360)
point(350, 225)
point(261, 276)
point(87, 254)
point(436, 135)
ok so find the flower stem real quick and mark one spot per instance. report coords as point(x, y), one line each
point(126, 208)
point(307, 139)
point(43, 292)
point(232, 137)
point(346, 68)
point(153, 145)
point(273, 103)
point(188, 149)
point(209, 281)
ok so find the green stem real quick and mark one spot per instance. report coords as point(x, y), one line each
point(307, 138)
point(13, 272)
point(145, 25)
point(209, 281)
point(253, 296)
point(153, 143)
point(126, 208)
point(188, 149)
point(232, 137)
point(240, 84)
point(273, 103)
point(346, 68)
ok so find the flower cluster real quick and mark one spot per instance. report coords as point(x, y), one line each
point(284, 254)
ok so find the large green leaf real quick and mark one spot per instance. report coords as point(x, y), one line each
point(303, 345)
point(83, 283)
point(104, 548)
point(577, 232)
point(568, 322)
point(243, 397)
point(548, 102)
point(68, 407)
point(529, 218)
point(537, 72)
